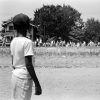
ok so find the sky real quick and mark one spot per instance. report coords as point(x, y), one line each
point(9, 8)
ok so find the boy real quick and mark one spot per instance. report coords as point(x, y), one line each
point(23, 69)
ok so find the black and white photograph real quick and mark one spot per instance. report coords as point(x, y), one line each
point(49, 49)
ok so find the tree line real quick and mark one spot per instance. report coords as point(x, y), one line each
point(65, 22)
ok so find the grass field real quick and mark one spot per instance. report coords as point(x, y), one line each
point(59, 57)
point(64, 73)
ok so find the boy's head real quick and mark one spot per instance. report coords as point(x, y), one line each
point(21, 22)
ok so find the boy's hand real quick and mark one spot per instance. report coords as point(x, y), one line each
point(38, 90)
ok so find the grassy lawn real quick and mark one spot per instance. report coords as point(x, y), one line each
point(64, 73)
point(59, 57)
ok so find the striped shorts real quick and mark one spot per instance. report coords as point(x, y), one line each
point(21, 88)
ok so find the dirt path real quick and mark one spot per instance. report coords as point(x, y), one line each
point(60, 83)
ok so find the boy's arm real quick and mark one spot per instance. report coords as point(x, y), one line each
point(30, 68)
point(12, 59)
point(12, 62)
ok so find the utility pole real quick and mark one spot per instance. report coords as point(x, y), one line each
point(44, 34)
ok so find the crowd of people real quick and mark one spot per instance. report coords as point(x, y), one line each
point(39, 43)
point(59, 43)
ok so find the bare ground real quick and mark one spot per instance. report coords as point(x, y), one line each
point(61, 77)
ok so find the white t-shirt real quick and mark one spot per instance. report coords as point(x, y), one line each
point(21, 47)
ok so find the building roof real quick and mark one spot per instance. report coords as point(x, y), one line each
point(7, 22)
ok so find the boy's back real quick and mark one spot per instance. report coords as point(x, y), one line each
point(21, 47)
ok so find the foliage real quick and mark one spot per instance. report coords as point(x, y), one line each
point(92, 32)
point(56, 20)
point(77, 32)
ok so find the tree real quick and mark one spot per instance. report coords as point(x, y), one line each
point(78, 31)
point(92, 30)
point(56, 20)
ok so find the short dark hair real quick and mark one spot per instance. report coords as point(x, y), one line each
point(21, 22)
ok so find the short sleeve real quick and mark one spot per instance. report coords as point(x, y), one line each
point(28, 48)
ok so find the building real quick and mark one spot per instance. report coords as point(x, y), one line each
point(9, 32)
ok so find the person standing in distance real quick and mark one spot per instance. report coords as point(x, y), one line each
point(23, 73)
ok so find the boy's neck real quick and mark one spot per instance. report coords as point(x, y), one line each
point(20, 35)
